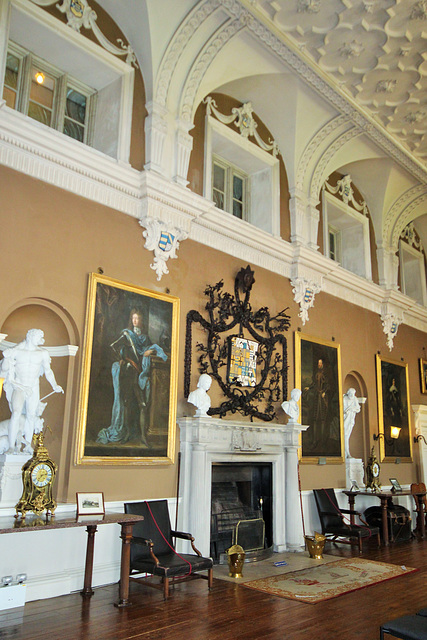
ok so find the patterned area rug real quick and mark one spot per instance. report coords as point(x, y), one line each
point(328, 580)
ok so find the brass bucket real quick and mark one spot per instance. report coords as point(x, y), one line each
point(315, 545)
point(236, 558)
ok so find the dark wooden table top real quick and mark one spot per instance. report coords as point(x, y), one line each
point(33, 522)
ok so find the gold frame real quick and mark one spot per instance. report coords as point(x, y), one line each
point(385, 456)
point(315, 459)
point(423, 375)
point(93, 396)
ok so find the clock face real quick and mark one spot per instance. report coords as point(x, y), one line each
point(375, 470)
point(41, 475)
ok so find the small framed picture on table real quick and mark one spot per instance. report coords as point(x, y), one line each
point(90, 504)
point(395, 485)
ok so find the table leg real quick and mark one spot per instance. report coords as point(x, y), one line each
point(384, 520)
point(351, 507)
point(422, 517)
point(87, 587)
point(126, 536)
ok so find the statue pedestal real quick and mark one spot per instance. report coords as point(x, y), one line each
point(11, 478)
point(354, 472)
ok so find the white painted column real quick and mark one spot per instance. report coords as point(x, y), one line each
point(293, 515)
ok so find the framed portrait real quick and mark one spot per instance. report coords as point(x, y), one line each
point(128, 385)
point(90, 504)
point(318, 375)
point(423, 375)
point(393, 409)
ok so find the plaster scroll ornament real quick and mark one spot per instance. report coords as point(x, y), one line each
point(351, 407)
point(291, 407)
point(21, 367)
point(199, 397)
point(242, 117)
point(79, 14)
point(163, 241)
point(390, 326)
point(345, 191)
point(304, 292)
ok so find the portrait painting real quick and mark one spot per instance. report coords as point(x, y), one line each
point(393, 409)
point(423, 375)
point(128, 384)
point(318, 375)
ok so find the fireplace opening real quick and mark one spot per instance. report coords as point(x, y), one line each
point(241, 507)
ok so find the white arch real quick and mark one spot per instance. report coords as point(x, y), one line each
point(401, 213)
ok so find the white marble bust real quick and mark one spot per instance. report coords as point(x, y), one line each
point(199, 397)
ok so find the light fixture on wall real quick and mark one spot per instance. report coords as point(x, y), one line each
point(39, 76)
point(394, 434)
point(420, 437)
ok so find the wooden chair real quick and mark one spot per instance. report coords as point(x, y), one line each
point(406, 628)
point(332, 520)
point(152, 549)
point(419, 494)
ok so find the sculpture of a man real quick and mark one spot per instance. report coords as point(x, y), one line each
point(199, 397)
point(351, 406)
point(21, 368)
point(291, 408)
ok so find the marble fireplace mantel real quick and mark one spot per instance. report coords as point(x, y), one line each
point(205, 441)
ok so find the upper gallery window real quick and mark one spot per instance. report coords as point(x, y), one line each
point(46, 94)
point(412, 265)
point(58, 77)
point(346, 228)
point(241, 177)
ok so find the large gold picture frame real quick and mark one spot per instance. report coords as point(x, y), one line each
point(393, 409)
point(318, 375)
point(127, 412)
point(423, 375)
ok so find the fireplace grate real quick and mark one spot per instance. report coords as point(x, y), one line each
point(250, 534)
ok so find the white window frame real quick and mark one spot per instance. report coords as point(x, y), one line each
point(408, 253)
point(231, 171)
point(346, 220)
point(63, 81)
point(87, 62)
point(263, 209)
point(337, 236)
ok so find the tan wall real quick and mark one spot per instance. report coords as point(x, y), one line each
point(52, 240)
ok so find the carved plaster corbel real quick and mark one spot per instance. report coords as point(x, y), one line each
point(163, 239)
point(391, 324)
point(304, 292)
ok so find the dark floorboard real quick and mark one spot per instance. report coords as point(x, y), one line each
point(229, 611)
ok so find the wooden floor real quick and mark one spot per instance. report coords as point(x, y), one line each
point(229, 611)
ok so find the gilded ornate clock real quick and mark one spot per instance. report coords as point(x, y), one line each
point(38, 475)
point(373, 472)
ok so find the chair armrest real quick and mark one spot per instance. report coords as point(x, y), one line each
point(182, 535)
point(186, 536)
point(351, 512)
point(138, 540)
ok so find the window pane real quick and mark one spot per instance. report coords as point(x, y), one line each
point(12, 71)
point(74, 130)
point(237, 209)
point(42, 90)
point(219, 177)
point(218, 199)
point(37, 112)
point(75, 106)
point(11, 80)
point(237, 188)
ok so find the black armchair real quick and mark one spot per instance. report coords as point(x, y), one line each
point(152, 550)
point(332, 521)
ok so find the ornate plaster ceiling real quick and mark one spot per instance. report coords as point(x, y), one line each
point(374, 49)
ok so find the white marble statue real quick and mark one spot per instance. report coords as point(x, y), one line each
point(291, 407)
point(21, 368)
point(351, 406)
point(199, 397)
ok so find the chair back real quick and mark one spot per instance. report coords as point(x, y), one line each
point(326, 502)
point(154, 511)
point(417, 491)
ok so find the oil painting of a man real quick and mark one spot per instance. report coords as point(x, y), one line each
point(130, 374)
point(321, 399)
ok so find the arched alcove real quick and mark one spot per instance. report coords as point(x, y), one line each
point(59, 330)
